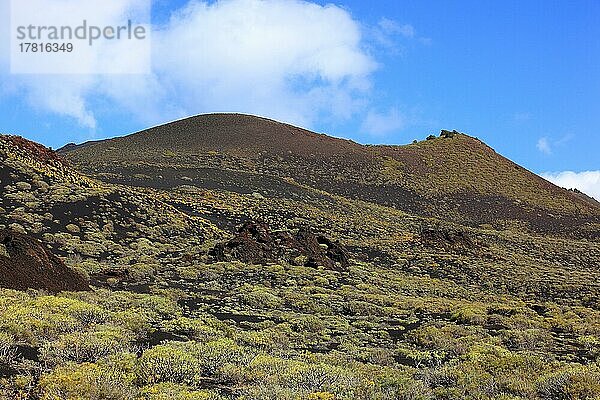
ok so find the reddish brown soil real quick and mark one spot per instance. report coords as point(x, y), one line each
point(224, 133)
point(36, 150)
point(30, 265)
point(457, 178)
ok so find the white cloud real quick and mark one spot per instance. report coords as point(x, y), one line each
point(284, 58)
point(587, 181)
point(60, 96)
point(381, 124)
point(70, 95)
point(287, 59)
point(543, 145)
point(547, 145)
point(387, 33)
point(105, 56)
point(392, 27)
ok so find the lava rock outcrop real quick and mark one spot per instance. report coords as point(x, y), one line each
point(255, 243)
point(446, 238)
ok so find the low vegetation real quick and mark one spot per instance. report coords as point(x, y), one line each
point(420, 308)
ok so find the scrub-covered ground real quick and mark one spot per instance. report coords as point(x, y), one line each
point(201, 291)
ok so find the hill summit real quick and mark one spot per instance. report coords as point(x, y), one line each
point(454, 176)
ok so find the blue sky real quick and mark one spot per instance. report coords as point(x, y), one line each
point(524, 76)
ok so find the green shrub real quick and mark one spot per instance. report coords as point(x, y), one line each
point(202, 329)
point(452, 339)
point(529, 339)
point(261, 299)
point(87, 381)
point(8, 351)
point(470, 315)
point(85, 346)
point(574, 383)
point(170, 391)
point(46, 318)
point(169, 363)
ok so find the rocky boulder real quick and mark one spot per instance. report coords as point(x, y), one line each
point(255, 243)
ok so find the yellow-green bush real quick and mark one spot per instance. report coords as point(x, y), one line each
point(170, 391)
point(101, 381)
point(86, 346)
point(45, 318)
point(572, 383)
point(170, 363)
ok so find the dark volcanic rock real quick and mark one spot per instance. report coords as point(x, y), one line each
point(320, 250)
point(446, 238)
point(254, 243)
point(26, 263)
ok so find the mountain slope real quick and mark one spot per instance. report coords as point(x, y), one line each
point(315, 296)
point(107, 230)
point(454, 176)
point(26, 264)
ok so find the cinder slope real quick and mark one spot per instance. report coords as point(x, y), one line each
point(455, 177)
point(25, 263)
point(80, 219)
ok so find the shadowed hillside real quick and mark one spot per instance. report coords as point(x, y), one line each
point(454, 175)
